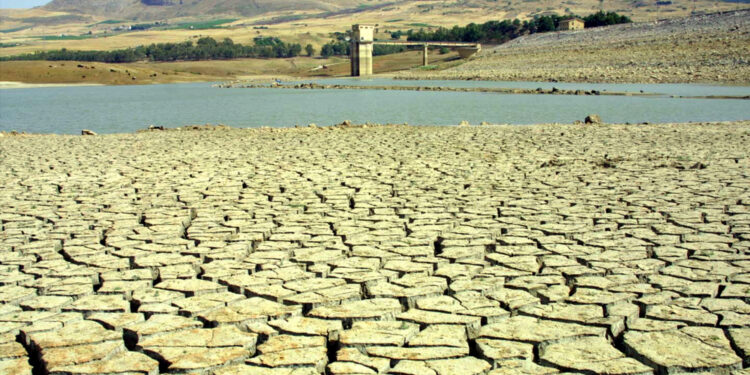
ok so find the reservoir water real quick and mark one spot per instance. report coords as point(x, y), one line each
point(125, 109)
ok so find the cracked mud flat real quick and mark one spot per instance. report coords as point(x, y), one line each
point(406, 250)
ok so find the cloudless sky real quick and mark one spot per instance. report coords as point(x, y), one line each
point(4, 4)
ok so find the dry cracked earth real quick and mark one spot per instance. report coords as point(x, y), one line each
point(495, 250)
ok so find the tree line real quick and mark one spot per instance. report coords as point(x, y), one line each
point(205, 48)
point(342, 47)
point(503, 31)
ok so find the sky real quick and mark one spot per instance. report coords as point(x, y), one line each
point(5, 4)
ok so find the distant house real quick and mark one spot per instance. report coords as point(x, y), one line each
point(572, 24)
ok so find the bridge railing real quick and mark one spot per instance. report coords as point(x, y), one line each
point(429, 43)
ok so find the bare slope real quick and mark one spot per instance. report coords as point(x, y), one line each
point(706, 48)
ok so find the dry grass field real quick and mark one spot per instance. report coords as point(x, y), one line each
point(56, 30)
point(203, 71)
point(316, 29)
point(144, 73)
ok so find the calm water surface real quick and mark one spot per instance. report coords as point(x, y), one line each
point(124, 109)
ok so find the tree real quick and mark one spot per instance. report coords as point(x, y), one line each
point(545, 24)
point(327, 50)
point(310, 50)
point(207, 41)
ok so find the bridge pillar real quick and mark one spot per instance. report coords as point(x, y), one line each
point(424, 55)
point(360, 53)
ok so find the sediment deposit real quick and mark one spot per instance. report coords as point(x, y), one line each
point(406, 250)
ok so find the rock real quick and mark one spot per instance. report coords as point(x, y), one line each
point(191, 287)
point(314, 357)
point(407, 367)
point(421, 353)
point(158, 324)
point(392, 333)
point(115, 321)
point(498, 351)
point(527, 329)
point(193, 359)
point(464, 123)
point(308, 326)
point(472, 323)
point(71, 355)
point(665, 351)
point(591, 354)
point(592, 119)
point(220, 337)
point(87, 132)
point(337, 368)
point(463, 365)
point(11, 350)
point(441, 335)
point(741, 339)
point(121, 363)
point(379, 365)
point(285, 342)
point(244, 369)
point(78, 333)
point(519, 367)
point(380, 308)
point(251, 309)
point(15, 366)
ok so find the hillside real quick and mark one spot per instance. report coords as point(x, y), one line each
point(705, 48)
point(427, 12)
point(161, 9)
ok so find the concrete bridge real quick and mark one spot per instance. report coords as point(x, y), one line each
point(363, 39)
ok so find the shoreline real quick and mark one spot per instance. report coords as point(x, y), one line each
point(209, 129)
point(263, 81)
point(12, 85)
point(538, 91)
point(400, 76)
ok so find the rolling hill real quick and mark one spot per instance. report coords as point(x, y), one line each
point(161, 9)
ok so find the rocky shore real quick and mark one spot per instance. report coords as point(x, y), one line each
point(497, 90)
point(598, 249)
point(710, 48)
point(318, 86)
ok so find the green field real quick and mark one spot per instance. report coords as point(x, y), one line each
point(109, 22)
point(215, 24)
point(65, 37)
point(13, 30)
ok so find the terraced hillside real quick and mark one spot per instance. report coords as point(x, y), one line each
point(495, 250)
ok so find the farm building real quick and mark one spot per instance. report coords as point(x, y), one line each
point(572, 24)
